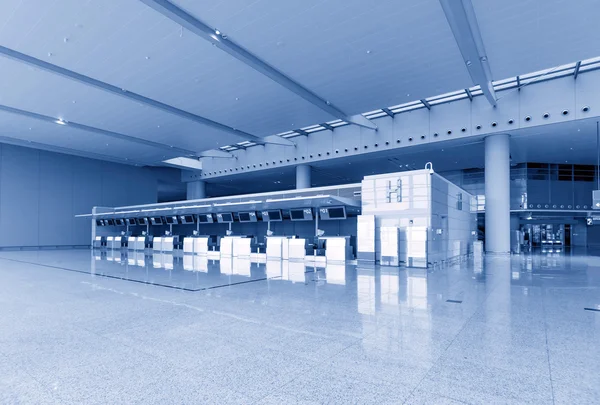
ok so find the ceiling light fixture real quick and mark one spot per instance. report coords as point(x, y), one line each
point(217, 32)
point(60, 121)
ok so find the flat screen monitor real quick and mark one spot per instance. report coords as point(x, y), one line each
point(119, 222)
point(156, 221)
point(247, 216)
point(99, 222)
point(225, 217)
point(331, 213)
point(272, 215)
point(131, 221)
point(172, 220)
point(186, 219)
point(301, 214)
point(110, 222)
point(142, 221)
point(205, 219)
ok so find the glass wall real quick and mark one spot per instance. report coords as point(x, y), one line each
point(536, 186)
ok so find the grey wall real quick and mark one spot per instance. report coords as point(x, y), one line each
point(41, 192)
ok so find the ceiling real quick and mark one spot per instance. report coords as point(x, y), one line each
point(359, 58)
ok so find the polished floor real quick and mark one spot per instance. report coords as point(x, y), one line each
point(110, 328)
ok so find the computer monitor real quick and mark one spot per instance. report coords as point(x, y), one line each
point(272, 216)
point(142, 221)
point(119, 222)
point(301, 214)
point(205, 219)
point(186, 219)
point(131, 221)
point(172, 220)
point(156, 221)
point(110, 222)
point(331, 213)
point(99, 222)
point(224, 217)
point(247, 216)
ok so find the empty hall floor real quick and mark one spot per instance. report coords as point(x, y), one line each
point(81, 327)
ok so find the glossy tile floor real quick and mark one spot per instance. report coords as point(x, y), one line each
point(84, 328)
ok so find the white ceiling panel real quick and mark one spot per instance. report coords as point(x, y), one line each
point(129, 45)
point(52, 95)
point(358, 55)
point(31, 130)
point(523, 36)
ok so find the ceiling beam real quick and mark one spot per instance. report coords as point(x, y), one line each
point(327, 126)
point(426, 104)
point(49, 67)
point(576, 70)
point(217, 38)
point(463, 23)
point(469, 94)
point(388, 112)
point(87, 128)
point(68, 151)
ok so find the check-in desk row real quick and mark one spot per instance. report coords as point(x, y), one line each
point(331, 249)
point(159, 243)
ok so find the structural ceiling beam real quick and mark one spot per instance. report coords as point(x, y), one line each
point(463, 23)
point(212, 35)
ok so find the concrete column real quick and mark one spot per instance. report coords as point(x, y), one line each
point(196, 189)
point(497, 194)
point(303, 179)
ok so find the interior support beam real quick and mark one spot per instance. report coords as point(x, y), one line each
point(99, 131)
point(463, 23)
point(49, 67)
point(214, 153)
point(214, 36)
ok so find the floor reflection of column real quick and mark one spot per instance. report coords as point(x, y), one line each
point(366, 291)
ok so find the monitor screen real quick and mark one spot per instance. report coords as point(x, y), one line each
point(187, 219)
point(275, 215)
point(203, 218)
point(272, 215)
point(156, 221)
point(119, 222)
point(225, 217)
point(172, 220)
point(337, 213)
point(244, 216)
point(110, 222)
point(99, 222)
point(296, 214)
point(131, 221)
point(142, 221)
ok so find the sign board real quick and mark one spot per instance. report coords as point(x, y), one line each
point(592, 220)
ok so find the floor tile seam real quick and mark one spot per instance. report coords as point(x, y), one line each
point(99, 275)
point(437, 361)
point(547, 347)
point(317, 363)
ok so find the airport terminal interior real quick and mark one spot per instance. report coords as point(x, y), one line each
point(299, 202)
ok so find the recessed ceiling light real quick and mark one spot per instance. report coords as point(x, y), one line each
point(217, 32)
point(60, 121)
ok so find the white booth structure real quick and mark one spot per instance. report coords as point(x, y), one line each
point(415, 219)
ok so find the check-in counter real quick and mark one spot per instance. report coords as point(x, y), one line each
point(99, 242)
point(131, 242)
point(296, 249)
point(114, 242)
point(275, 247)
point(140, 243)
point(157, 243)
point(188, 245)
point(169, 242)
point(337, 248)
point(227, 245)
point(242, 247)
point(201, 245)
